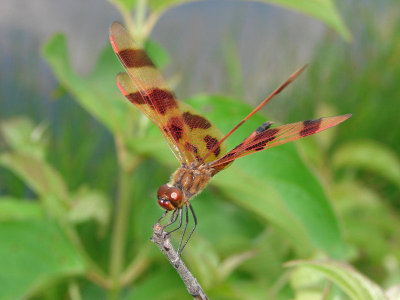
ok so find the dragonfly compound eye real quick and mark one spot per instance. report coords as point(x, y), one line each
point(163, 199)
point(175, 196)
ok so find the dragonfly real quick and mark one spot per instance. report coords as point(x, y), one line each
point(198, 144)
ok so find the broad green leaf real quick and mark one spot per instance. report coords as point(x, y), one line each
point(168, 286)
point(98, 93)
point(370, 156)
point(90, 205)
point(157, 53)
point(33, 254)
point(39, 175)
point(262, 199)
point(22, 136)
point(353, 283)
point(275, 184)
point(323, 10)
point(20, 209)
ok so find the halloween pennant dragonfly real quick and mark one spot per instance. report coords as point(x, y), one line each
point(196, 142)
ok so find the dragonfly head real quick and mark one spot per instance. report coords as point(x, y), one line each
point(169, 197)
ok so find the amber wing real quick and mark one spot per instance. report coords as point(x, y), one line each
point(189, 135)
point(265, 137)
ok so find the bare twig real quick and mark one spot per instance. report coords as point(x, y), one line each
point(161, 239)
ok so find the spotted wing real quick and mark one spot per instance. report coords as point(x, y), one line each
point(189, 135)
point(265, 137)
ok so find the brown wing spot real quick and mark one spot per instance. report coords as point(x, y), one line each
point(175, 127)
point(195, 121)
point(192, 148)
point(161, 100)
point(310, 127)
point(210, 143)
point(265, 137)
point(135, 58)
point(158, 99)
point(136, 98)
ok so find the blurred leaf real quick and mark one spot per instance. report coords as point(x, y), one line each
point(32, 254)
point(203, 261)
point(233, 66)
point(159, 5)
point(20, 209)
point(370, 156)
point(356, 285)
point(126, 5)
point(153, 145)
point(229, 264)
point(90, 205)
point(264, 200)
point(22, 136)
point(323, 10)
point(40, 176)
point(272, 251)
point(98, 93)
point(169, 286)
point(370, 227)
point(275, 184)
point(393, 293)
point(157, 53)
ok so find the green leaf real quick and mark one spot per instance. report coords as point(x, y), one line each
point(356, 285)
point(159, 5)
point(370, 156)
point(32, 254)
point(90, 205)
point(98, 93)
point(275, 184)
point(157, 53)
point(169, 286)
point(20, 209)
point(126, 5)
point(323, 10)
point(21, 135)
point(39, 175)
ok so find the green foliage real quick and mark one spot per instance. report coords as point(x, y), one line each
point(369, 156)
point(64, 240)
point(356, 286)
point(34, 253)
point(324, 10)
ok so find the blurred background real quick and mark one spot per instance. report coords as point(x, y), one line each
point(80, 167)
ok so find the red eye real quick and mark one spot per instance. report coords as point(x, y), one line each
point(162, 190)
point(174, 195)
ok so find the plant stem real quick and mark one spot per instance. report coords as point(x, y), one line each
point(119, 233)
point(140, 17)
point(127, 165)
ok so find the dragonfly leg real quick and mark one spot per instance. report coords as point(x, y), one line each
point(180, 249)
point(191, 232)
point(162, 217)
point(180, 221)
point(172, 220)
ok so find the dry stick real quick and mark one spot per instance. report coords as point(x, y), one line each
point(161, 239)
